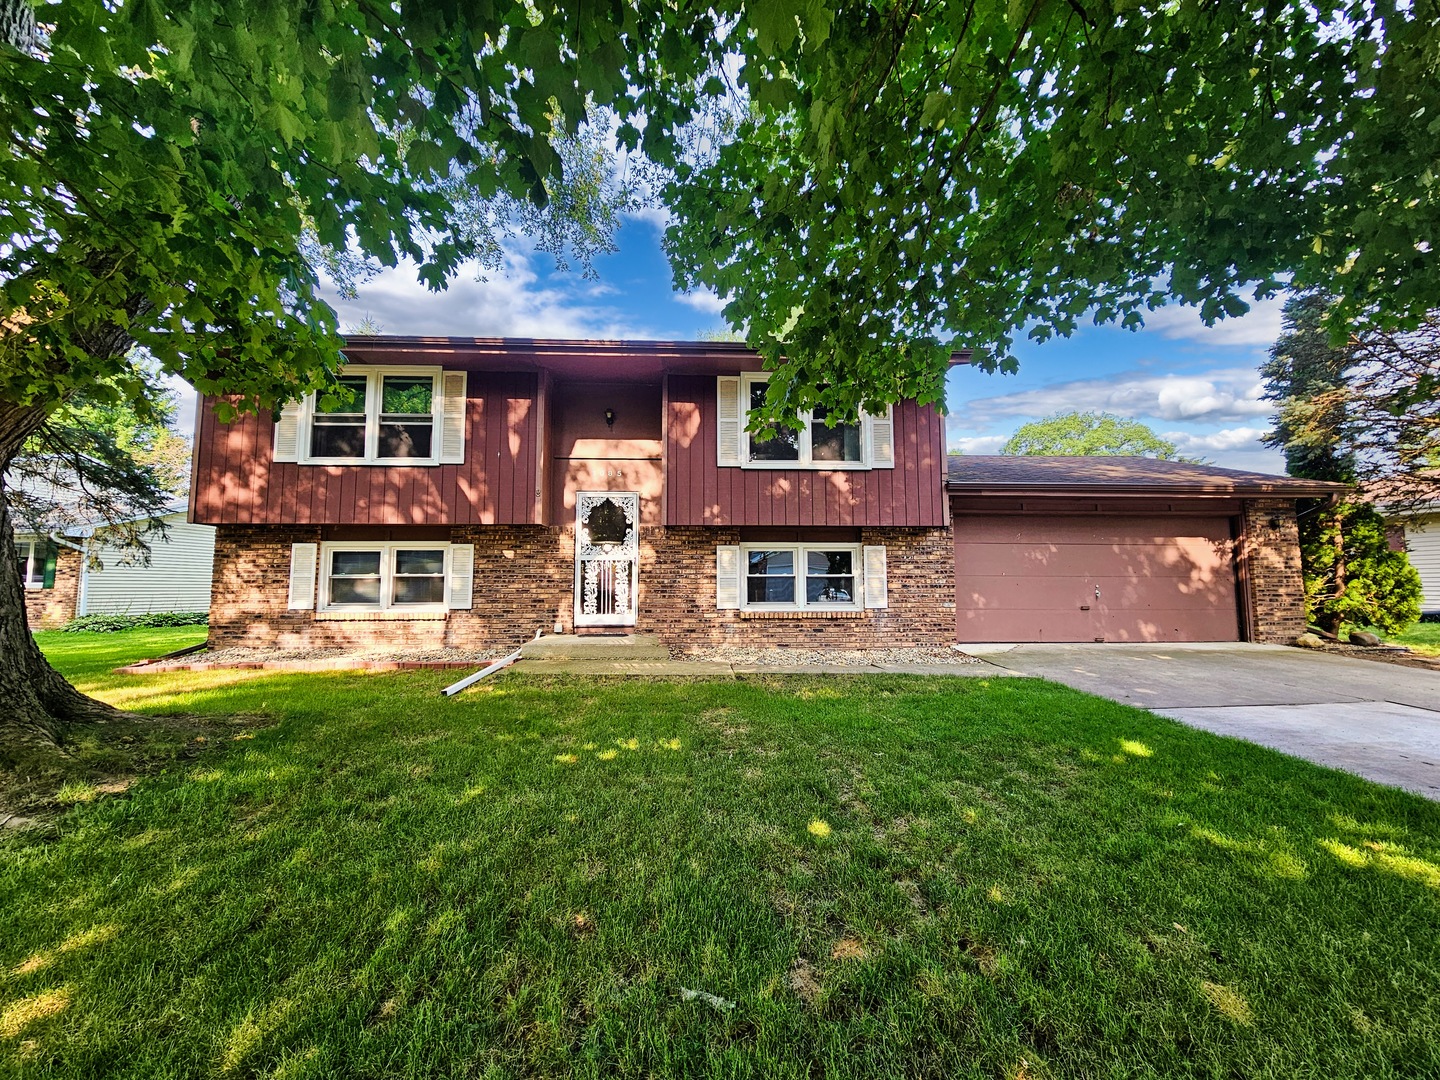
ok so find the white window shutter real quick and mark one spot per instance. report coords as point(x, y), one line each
point(461, 593)
point(287, 433)
point(729, 420)
point(882, 441)
point(727, 577)
point(304, 563)
point(877, 589)
point(452, 419)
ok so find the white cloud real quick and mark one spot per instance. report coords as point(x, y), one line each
point(703, 300)
point(1238, 438)
point(1259, 326)
point(1218, 396)
point(514, 303)
point(979, 444)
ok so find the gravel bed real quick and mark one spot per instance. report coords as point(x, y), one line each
point(257, 656)
point(859, 658)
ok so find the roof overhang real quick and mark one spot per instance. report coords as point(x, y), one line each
point(567, 358)
point(1282, 487)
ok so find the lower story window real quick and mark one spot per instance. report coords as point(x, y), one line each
point(31, 558)
point(800, 576)
point(380, 576)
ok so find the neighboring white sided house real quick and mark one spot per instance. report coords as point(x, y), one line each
point(1422, 541)
point(60, 583)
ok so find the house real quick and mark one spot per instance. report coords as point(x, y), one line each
point(467, 492)
point(1420, 535)
point(61, 582)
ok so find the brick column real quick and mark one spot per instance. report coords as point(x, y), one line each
point(48, 608)
point(1276, 589)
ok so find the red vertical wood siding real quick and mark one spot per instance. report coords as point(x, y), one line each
point(699, 492)
point(237, 483)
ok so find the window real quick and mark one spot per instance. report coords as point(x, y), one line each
point(817, 444)
point(800, 576)
point(383, 576)
point(31, 557)
point(375, 416)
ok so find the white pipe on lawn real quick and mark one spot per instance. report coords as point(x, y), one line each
point(471, 680)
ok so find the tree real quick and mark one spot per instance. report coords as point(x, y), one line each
point(1323, 392)
point(879, 179)
point(1090, 434)
point(97, 462)
point(173, 175)
point(1352, 575)
point(905, 178)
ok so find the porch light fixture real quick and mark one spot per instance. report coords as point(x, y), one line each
point(610, 418)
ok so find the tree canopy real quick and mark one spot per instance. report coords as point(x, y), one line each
point(1090, 434)
point(1365, 411)
point(912, 175)
point(1339, 411)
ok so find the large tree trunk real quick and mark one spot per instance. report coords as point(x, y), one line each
point(36, 703)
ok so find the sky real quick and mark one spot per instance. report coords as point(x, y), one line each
point(1197, 386)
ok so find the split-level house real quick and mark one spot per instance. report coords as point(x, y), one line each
point(469, 492)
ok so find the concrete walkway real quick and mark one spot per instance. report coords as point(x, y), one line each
point(713, 669)
point(1380, 721)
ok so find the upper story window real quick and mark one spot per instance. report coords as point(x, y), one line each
point(378, 416)
point(31, 557)
point(817, 444)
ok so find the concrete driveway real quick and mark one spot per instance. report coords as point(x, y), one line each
point(1381, 721)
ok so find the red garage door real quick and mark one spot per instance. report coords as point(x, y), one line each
point(1101, 578)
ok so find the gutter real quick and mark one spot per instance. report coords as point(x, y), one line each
point(1151, 491)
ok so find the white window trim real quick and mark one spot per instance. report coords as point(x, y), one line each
point(752, 378)
point(34, 575)
point(857, 599)
point(374, 374)
point(387, 575)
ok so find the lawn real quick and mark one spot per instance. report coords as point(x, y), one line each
point(1421, 638)
point(886, 876)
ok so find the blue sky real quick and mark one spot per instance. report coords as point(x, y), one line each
point(1198, 386)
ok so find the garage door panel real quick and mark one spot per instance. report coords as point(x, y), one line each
point(1161, 578)
point(1021, 529)
point(1028, 624)
point(1186, 558)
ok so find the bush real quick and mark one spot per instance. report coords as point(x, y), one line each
point(109, 624)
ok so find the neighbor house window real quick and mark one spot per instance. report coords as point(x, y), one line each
point(375, 416)
point(31, 558)
point(816, 444)
point(382, 576)
point(800, 576)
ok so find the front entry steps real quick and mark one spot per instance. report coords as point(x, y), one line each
point(620, 647)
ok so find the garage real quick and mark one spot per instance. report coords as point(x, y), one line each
point(1095, 577)
point(1069, 549)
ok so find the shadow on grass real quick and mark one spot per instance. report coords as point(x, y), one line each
point(887, 875)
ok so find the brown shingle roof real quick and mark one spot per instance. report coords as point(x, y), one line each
point(1099, 475)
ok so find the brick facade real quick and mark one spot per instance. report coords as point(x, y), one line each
point(524, 578)
point(1274, 587)
point(47, 608)
point(524, 582)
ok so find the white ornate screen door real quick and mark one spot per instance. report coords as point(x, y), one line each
point(607, 557)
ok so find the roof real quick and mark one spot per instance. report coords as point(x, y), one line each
point(573, 358)
point(1014, 474)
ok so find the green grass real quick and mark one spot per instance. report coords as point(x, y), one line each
point(1018, 880)
point(1423, 638)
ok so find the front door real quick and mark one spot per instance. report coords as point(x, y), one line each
point(607, 557)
